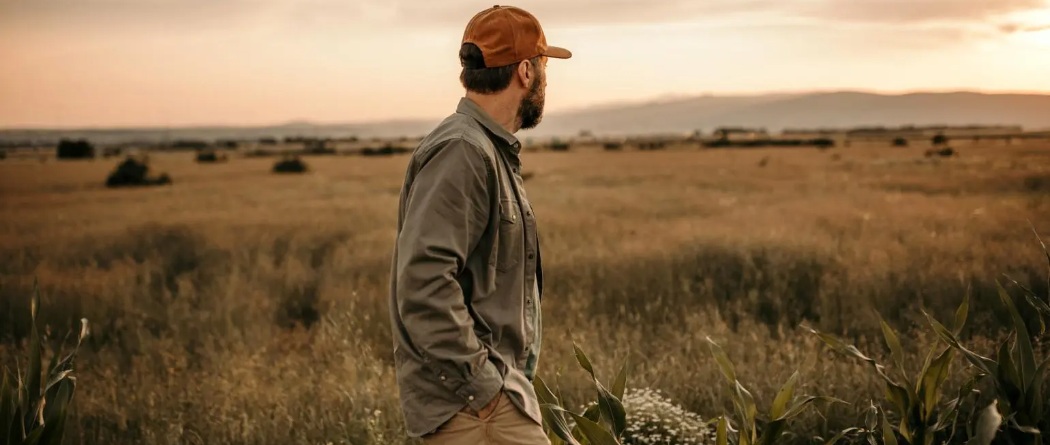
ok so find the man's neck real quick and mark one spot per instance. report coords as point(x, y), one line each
point(500, 107)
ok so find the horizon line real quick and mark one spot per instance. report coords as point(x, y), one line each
point(663, 99)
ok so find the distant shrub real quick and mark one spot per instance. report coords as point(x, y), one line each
point(386, 150)
point(75, 149)
point(318, 147)
point(650, 146)
point(267, 141)
point(111, 152)
point(135, 173)
point(559, 146)
point(210, 156)
point(188, 144)
point(612, 146)
point(290, 164)
point(940, 139)
point(823, 143)
point(226, 144)
point(900, 142)
point(945, 152)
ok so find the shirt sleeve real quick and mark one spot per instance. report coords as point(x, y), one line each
point(445, 214)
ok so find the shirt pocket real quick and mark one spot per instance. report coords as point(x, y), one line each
point(511, 237)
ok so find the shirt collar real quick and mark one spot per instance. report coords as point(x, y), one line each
point(469, 108)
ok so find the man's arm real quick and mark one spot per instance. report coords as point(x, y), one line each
point(446, 212)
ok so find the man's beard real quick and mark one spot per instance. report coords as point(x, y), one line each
point(530, 113)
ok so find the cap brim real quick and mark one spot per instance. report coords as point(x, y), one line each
point(558, 53)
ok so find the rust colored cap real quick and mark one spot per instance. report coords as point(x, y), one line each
point(507, 35)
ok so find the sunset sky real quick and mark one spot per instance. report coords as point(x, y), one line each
point(91, 63)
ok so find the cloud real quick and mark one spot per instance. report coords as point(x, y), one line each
point(910, 12)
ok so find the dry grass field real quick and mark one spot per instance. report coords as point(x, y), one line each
point(241, 307)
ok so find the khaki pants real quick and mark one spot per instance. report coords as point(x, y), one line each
point(505, 426)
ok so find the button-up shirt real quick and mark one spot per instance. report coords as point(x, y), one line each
point(467, 277)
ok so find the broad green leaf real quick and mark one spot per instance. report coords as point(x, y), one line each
point(721, 433)
point(888, 438)
point(722, 359)
point(1026, 367)
point(612, 410)
point(841, 435)
point(898, 395)
point(871, 416)
point(784, 396)
point(619, 385)
point(772, 432)
point(932, 380)
point(985, 364)
point(1035, 397)
point(894, 343)
point(961, 314)
point(1007, 369)
point(584, 361)
point(798, 407)
point(595, 434)
point(553, 415)
point(543, 392)
point(594, 412)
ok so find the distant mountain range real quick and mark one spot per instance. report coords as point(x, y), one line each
point(773, 112)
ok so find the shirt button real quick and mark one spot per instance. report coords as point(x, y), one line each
point(442, 378)
point(471, 398)
point(531, 256)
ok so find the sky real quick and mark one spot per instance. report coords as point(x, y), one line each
point(164, 63)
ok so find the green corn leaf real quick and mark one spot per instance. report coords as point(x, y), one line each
point(894, 343)
point(33, 438)
point(595, 434)
point(985, 364)
point(619, 385)
point(961, 314)
point(932, 379)
point(554, 416)
point(772, 432)
point(612, 410)
point(7, 408)
point(722, 359)
point(1026, 367)
point(1035, 397)
point(841, 435)
point(784, 397)
point(56, 413)
point(801, 405)
point(898, 395)
point(1008, 372)
point(750, 409)
point(583, 360)
point(33, 374)
point(543, 392)
point(721, 431)
point(888, 438)
point(871, 416)
point(1047, 253)
point(594, 412)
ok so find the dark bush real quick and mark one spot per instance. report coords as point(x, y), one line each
point(290, 164)
point(210, 156)
point(135, 173)
point(226, 144)
point(188, 144)
point(612, 146)
point(823, 143)
point(900, 142)
point(386, 150)
point(559, 146)
point(940, 139)
point(945, 152)
point(649, 146)
point(318, 147)
point(267, 141)
point(75, 149)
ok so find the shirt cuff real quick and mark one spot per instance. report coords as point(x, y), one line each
point(482, 388)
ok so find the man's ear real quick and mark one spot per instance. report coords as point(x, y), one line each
point(525, 74)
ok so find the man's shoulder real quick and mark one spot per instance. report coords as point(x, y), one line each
point(456, 130)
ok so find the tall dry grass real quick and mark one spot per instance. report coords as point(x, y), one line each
point(239, 307)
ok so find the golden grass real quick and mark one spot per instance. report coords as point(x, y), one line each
point(239, 306)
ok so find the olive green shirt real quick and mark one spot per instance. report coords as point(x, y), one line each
point(467, 276)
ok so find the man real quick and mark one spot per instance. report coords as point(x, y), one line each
point(467, 279)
